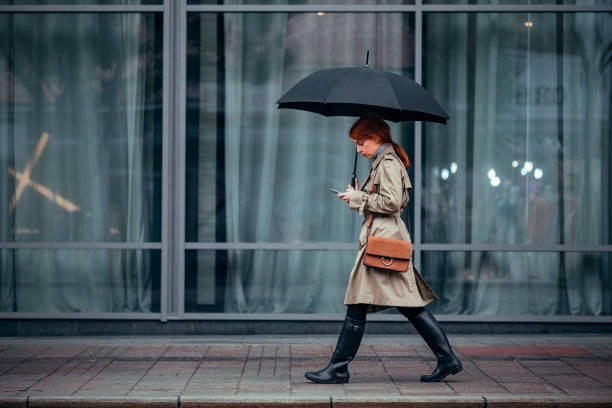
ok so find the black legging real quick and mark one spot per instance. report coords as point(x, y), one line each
point(358, 311)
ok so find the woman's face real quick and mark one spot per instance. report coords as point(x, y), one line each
point(367, 148)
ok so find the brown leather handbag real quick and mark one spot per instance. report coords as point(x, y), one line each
point(387, 253)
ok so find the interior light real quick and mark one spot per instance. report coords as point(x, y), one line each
point(515, 164)
point(320, 13)
point(538, 173)
point(491, 174)
point(444, 174)
point(495, 181)
point(528, 166)
point(453, 167)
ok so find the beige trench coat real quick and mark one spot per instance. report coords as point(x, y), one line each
point(380, 288)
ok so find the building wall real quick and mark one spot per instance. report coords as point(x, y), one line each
point(147, 173)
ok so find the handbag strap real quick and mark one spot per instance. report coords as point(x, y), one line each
point(371, 217)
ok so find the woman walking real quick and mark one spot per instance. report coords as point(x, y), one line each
point(383, 195)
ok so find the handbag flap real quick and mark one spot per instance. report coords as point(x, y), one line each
point(389, 247)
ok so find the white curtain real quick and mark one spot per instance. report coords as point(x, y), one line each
point(74, 85)
point(279, 164)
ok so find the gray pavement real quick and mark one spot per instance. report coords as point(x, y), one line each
point(268, 371)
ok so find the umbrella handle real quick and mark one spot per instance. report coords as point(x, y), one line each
point(354, 171)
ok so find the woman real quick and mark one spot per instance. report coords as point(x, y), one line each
point(385, 194)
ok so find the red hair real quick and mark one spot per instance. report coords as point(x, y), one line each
point(374, 128)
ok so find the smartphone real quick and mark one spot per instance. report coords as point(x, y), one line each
point(334, 191)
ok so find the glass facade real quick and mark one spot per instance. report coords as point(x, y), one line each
point(526, 155)
point(147, 170)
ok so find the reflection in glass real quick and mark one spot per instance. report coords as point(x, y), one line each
point(257, 174)
point(270, 281)
point(520, 283)
point(529, 101)
point(79, 280)
point(80, 119)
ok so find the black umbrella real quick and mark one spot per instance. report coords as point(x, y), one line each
point(356, 91)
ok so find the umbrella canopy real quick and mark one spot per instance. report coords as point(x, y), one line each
point(356, 91)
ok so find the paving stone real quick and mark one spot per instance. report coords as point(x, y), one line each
point(22, 352)
point(565, 350)
point(394, 350)
point(529, 388)
point(197, 352)
point(62, 351)
point(600, 370)
point(548, 367)
point(478, 350)
point(574, 381)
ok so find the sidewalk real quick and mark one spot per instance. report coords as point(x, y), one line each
point(268, 371)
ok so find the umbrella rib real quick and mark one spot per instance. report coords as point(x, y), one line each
point(396, 98)
point(340, 72)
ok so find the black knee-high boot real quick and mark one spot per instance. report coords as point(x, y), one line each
point(426, 324)
point(336, 371)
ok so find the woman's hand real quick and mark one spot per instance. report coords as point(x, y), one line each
point(346, 196)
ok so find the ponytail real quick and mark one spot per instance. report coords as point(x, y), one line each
point(401, 154)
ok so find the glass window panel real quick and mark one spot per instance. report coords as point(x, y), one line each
point(520, 283)
point(80, 280)
point(80, 119)
point(267, 281)
point(525, 157)
point(259, 174)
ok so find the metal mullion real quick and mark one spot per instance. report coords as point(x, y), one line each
point(308, 317)
point(330, 246)
point(82, 316)
point(180, 18)
point(271, 246)
point(82, 9)
point(418, 134)
point(166, 233)
point(263, 8)
point(515, 248)
point(513, 8)
point(399, 318)
point(81, 245)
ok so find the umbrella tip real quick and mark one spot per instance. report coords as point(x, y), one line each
point(367, 58)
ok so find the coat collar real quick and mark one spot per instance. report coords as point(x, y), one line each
point(376, 162)
point(386, 150)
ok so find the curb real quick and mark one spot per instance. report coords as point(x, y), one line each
point(268, 401)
